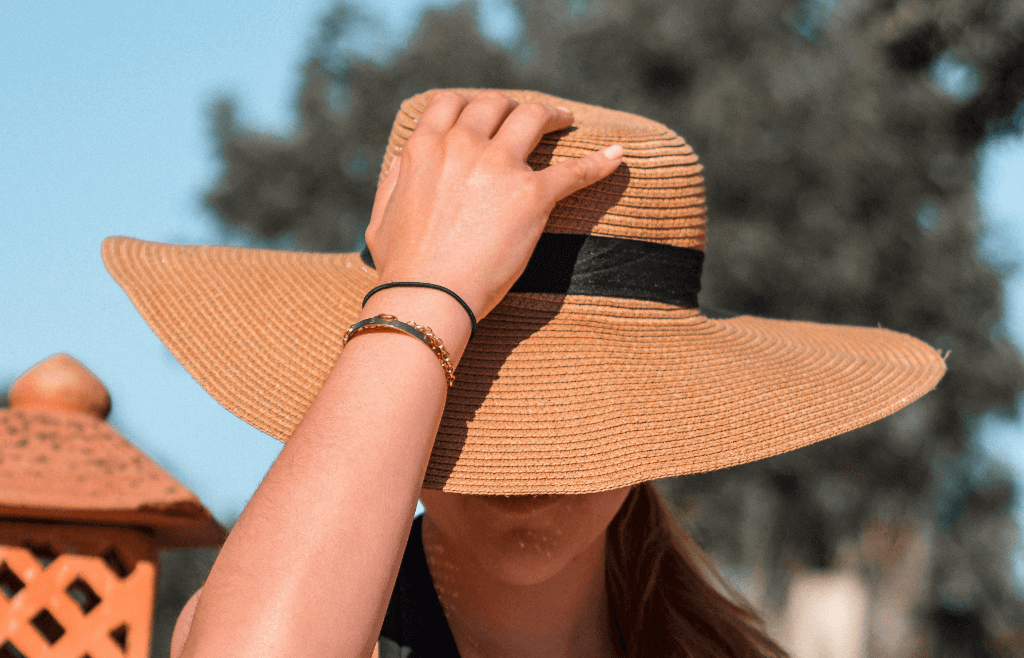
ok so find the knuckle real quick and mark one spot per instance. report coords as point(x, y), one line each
point(582, 170)
point(421, 140)
point(492, 96)
point(415, 145)
point(458, 138)
point(461, 137)
point(534, 111)
point(446, 97)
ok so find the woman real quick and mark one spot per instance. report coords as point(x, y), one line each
point(594, 373)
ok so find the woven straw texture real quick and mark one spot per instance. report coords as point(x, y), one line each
point(657, 195)
point(557, 393)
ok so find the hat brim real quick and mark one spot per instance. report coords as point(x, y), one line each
point(555, 394)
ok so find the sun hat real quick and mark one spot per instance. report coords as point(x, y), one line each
point(598, 370)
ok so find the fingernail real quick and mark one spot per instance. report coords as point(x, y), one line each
point(565, 109)
point(613, 152)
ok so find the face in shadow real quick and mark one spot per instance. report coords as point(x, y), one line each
point(517, 540)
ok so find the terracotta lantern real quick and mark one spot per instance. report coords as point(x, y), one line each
point(83, 515)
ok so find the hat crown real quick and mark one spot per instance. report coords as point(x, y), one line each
point(656, 194)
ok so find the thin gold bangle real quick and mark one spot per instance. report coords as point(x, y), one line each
point(385, 322)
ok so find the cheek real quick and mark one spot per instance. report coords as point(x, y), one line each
point(526, 545)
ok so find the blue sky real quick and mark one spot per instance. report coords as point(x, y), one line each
point(104, 131)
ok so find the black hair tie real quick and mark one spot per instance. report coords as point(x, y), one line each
point(434, 286)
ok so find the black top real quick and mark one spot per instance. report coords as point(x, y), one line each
point(415, 625)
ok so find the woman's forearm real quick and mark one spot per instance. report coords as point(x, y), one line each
point(308, 568)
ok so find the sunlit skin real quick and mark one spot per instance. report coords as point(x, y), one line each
point(308, 568)
point(513, 573)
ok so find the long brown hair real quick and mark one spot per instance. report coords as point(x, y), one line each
point(662, 590)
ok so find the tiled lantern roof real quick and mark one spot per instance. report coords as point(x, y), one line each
point(60, 462)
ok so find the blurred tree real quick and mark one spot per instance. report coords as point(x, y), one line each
point(839, 144)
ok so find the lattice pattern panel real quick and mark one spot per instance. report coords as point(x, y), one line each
point(68, 605)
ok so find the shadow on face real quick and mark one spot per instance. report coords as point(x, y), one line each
point(519, 540)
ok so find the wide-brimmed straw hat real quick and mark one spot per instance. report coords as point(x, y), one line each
point(597, 371)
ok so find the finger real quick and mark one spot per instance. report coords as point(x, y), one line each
point(485, 113)
point(569, 176)
point(384, 192)
point(522, 130)
point(441, 112)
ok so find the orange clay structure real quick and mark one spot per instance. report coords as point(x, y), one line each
point(83, 516)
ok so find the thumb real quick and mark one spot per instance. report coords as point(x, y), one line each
point(570, 176)
point(384, 192)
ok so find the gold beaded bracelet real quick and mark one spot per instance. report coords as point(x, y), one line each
point(385, 322)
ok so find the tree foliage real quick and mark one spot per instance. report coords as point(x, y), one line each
point(839, 154)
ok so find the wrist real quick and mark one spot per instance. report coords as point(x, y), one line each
point(432, 308)
point(429, 286)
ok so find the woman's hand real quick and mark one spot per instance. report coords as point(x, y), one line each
point(461, 207)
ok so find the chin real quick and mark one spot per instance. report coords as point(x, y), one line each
point(522, 540)
point(531, 556)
